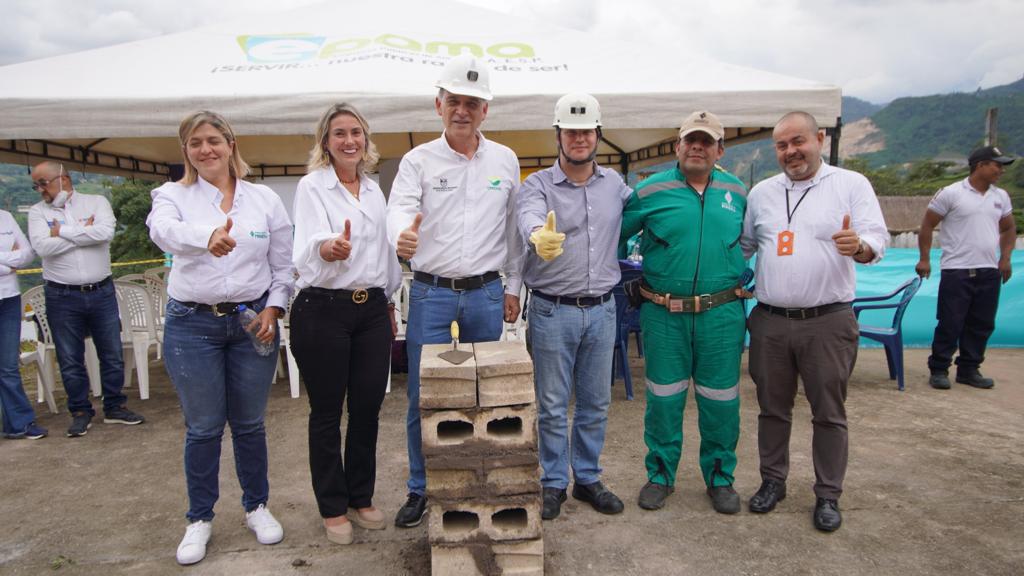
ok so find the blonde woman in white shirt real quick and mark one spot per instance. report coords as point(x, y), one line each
point(232, 243)
point(342, 323)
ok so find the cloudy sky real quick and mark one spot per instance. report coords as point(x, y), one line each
point(874, 49)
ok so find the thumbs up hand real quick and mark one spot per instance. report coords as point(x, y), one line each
point(547, 241)
point(409, 239)
point(847, 241)
point(221, 242)
point(339, 248)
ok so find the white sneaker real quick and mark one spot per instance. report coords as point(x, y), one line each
point(268, 530)
point(193, 546)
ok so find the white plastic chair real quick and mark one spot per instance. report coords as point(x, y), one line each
point(138, 331)
point(35, 298)
point(44, 377)
point(284, 326)
point(156, 281)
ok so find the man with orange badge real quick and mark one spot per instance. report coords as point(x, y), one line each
point(808, 226)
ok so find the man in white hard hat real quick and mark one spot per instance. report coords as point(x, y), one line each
point(571, 213)
point(450, 214)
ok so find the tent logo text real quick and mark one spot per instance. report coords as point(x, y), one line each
point(282, 48)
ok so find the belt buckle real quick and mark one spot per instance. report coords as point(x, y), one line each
point(455, 288)
point(703, 302)
point(360, 295)
point(791, 313)
point(579, 302)
point(216, 311)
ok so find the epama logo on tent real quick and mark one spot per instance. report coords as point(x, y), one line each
point(284, 48)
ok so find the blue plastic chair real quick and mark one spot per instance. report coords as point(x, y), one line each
point(890, 336)
point(627, 321)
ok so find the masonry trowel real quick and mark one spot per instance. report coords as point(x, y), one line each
point(455, 356)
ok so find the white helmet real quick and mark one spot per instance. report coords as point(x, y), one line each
point(577, 111)
point(467, 76)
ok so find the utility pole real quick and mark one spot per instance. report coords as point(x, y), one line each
point(991, 126)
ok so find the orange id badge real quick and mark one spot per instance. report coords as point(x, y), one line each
point(785, 243)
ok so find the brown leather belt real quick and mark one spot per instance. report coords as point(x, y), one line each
point(690, 304)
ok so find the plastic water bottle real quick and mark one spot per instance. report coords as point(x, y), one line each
point(245, 317)
point(635, 256)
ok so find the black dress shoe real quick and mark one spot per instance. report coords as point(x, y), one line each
point(768, 495)
point(653, 495)
point(974, 378)
point(553, 498)
point(939, 381)
point(598, 496)
point(724, 499)
point(826, 515)
point(411, 513)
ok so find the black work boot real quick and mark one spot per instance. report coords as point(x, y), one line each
point(972, 377)
point(939, 381)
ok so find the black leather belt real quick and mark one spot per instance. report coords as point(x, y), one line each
point(579, 302)
point(223, 308)
point(690, 304)
point(81, 287)
point(804, 313)
point(359, 295)
point(470, 283)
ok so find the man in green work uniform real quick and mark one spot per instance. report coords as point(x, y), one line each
point(692, 323)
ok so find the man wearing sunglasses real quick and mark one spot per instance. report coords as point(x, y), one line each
point(72, 234)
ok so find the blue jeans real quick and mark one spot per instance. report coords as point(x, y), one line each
point(74, 315)
point(18, 412)
point(572, 354)
point(431, 311)
point(220, 378)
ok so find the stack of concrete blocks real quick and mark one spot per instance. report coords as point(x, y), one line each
point(479, 424)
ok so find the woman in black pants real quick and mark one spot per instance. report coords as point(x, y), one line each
point(342, 322)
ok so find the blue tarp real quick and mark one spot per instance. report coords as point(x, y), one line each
point(919, 321)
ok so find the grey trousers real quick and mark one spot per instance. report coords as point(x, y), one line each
point(822, 352)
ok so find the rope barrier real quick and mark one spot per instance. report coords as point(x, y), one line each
point(112, 265)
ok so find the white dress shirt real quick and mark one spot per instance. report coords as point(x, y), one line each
point(468, 208)
point(184, 217)
point(815, 273)
point(322, 204)
point(12, 258)
point(970, 224)
point(80, 254)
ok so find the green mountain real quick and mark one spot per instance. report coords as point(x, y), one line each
point(925, 127)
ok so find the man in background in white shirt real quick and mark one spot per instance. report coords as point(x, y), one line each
point(977, 219)
point(451, 214)
point(808, 226)
point(72, 234)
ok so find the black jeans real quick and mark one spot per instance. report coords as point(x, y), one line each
point(967, 317)
point(342, 348)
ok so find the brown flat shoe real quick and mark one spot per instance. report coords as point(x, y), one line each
point(368, 518)
point(340, 533)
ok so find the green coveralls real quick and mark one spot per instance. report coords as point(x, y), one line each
point(690, 246)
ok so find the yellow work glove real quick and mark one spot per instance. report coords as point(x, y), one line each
point(548, 242)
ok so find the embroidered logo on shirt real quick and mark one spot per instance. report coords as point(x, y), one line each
point(493, 183)
point(728, 202)
point(442, 186)
point(259, 235)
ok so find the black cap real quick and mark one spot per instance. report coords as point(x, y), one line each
point(989, 153)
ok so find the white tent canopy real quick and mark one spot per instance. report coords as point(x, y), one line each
point(117, 109)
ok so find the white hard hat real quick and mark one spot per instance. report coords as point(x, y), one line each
point(467, 76)
point(577, 111)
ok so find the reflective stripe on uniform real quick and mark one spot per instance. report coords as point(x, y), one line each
point(659, 186)
point(721, 394)
point(730, 187)
point(667, 389)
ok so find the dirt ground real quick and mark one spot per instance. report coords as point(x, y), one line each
point(935, 486)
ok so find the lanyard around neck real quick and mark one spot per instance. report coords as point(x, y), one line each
point(790, 213)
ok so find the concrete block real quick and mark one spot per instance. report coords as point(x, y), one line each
point(479, 431)
point(519, 558)
point(483, 477)
point(504, 374)
point(460, 521)
point(443, 384)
